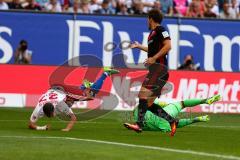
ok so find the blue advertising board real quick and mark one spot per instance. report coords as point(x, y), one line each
point(58, 38)
point(44, 33)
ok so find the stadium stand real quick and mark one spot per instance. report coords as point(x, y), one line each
point(226, 9)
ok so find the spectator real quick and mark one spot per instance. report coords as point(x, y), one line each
point(94, 6)
point(188, 64)
point(133, 7)
point(129, 4)
point(15, 4)
point(22, 54)
point(3, 5)
point(148, 5)
point(66, 4)
point(84, 7)
point(42, 3)
point(139, 9)
point(238, 13)
point(195, 10)
point(234, 6)
point(123, 10)
point(53, 6)
point(220, 5)
point(157, 5)
point(75, 8)
point(227, 13)
point(32, 5)
point(208, 12)
point(112, 5)
point(121, 3)
point(105, 8)
point(202, 6)
point(180, 7)
point(215, 7)
point(167, 7)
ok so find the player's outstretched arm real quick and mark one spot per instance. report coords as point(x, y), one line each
point(71, 123)
point(34, 118)
point(139, 46)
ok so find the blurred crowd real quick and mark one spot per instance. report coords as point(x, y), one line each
point(226, 9)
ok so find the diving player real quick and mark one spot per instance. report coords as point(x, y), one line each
point(57, 101)
point(155, 123)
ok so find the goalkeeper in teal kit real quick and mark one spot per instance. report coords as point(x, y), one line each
point(155, 123)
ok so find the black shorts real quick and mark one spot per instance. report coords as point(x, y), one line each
point(156, 78)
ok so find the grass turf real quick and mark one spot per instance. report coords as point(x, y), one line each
point(219, 136)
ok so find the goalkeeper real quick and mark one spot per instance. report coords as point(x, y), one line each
point(155, 123)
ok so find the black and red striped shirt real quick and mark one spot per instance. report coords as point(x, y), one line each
point(155, 43)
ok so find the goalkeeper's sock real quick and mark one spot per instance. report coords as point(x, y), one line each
point(201, 119)
point(184, 122)
point(193, 102)
point(97, 85)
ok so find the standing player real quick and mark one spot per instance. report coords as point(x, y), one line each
point(159, 44)
point(58, 100)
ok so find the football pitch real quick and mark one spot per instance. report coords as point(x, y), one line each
point(105, 138)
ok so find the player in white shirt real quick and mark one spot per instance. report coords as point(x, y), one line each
point(52, 103)
point(58, 100)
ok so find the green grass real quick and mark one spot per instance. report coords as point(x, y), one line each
point(219, 136)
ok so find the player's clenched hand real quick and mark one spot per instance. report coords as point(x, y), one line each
point(135, 44)
point(149, 61)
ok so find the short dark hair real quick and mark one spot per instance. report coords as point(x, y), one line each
point(48, 109)
point(155, 15)
point(105, 1)
point(23, 42)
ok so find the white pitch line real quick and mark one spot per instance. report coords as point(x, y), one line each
point(193, 125)
point(20, 120)
point(205, 154)
point(210, 126)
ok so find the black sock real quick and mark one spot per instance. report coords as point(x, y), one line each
point(157, 110)
point(142, 109)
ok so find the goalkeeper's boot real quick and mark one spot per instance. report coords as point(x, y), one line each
point(213, 99)
point(110, 71)
point(202, 118)
point(86, 84)
point(133, 127)
point(173, 128)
